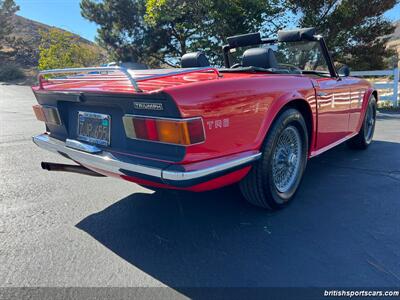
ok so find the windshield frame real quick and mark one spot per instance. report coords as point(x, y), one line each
point(316, 38)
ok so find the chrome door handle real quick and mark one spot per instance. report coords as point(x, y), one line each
point(321, 94)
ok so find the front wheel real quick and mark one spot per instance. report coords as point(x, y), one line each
point(364, 137)
point(274, 179)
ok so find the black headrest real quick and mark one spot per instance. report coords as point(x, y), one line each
point(243, 40)
point(296, 35)
point(194, 60)
point(260, 58)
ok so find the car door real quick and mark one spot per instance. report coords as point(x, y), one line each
point(333, 108)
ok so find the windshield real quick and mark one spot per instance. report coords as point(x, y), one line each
point(305, 55)
point(302, 56)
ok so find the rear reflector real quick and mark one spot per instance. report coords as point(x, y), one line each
point(172, 131)
point(47, 114)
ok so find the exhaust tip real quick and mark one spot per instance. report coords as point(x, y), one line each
point(45, 166)
point(49, 166)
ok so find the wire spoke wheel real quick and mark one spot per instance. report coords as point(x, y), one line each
point(273, 181)
point(286, 159)
point(369, 123)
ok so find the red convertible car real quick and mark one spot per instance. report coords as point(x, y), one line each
point(256, 122)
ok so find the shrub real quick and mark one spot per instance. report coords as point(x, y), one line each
point(10, 72)
point(60, 49)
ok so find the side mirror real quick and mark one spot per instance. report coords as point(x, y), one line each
point(344, 70)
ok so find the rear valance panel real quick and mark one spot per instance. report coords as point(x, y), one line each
point(69, 105)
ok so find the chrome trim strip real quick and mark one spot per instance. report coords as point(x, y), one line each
point(107, 162)
point(190, 175)
point(103, 161)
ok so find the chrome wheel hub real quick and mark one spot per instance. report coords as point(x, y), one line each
point(286, 159)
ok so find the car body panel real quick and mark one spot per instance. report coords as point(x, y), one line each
point(237, 109)
point(333, 110)
point(247, 105)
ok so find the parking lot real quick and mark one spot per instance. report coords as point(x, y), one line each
point(60, 229)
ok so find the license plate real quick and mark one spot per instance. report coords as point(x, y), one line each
point(94, 128)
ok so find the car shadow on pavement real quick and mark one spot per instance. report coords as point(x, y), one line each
point(341, 230)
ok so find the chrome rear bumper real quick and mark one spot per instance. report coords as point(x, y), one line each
point(176, 175)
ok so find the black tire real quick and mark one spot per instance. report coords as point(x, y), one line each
point(259, 186)
point(364, 137)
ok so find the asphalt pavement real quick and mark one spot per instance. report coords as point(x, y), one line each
point(60, 229)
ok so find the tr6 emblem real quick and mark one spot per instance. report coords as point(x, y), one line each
point(148, 106)
point(215, 124)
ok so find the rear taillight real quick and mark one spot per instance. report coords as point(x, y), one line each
point(47, 114)
point(172, 131)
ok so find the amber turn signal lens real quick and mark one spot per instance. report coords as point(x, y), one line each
point(37, 109)
point(172, 131)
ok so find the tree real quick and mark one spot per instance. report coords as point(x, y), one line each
point(158, 32)
point(181, 23)
point(7, 10)
point(123, 31)
point(355, 30)
point(205, 24)
point(61, 49)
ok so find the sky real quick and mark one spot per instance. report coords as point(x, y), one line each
point(66, 14)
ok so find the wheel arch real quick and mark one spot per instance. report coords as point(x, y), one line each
point(304, 107)
point(367, 96)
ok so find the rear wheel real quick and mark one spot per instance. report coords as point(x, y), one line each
point(274, 179)
point(364, 137)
